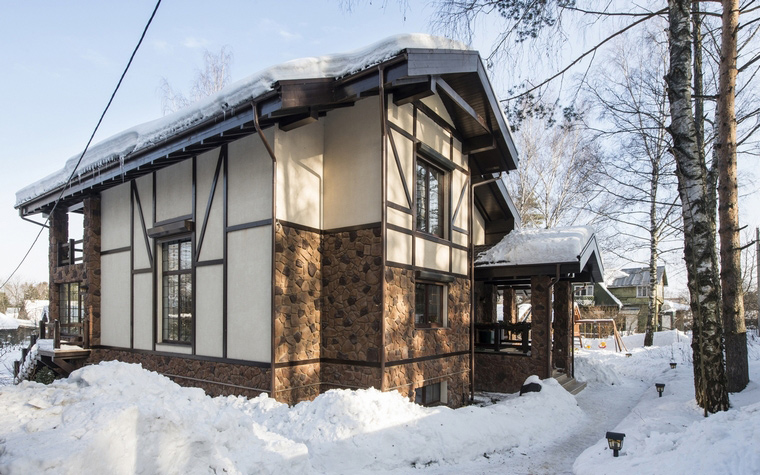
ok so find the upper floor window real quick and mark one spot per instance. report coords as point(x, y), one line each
point(642, 291)
point(430, 204)
point(177, 291)
point(584, 290)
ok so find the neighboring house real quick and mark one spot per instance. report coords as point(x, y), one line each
point(631, 287)
point(309, 227)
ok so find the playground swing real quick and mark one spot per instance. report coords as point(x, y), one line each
point(598, 324)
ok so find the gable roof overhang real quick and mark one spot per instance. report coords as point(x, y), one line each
point(587, 268)
point(457, 75)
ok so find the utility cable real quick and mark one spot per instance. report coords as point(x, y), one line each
point(92, 136)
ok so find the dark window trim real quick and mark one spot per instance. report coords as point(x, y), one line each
point(443, 186)
point(441, 305)
point(178, 238)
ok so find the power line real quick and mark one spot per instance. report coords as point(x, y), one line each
point(92, 136)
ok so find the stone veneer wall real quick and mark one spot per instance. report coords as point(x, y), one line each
point(91, 259)
point(215, 378)
point(351, 280)
point(562, 348)
point(86, 273)
point(403, 341)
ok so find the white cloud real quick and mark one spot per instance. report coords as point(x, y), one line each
point(191, 42)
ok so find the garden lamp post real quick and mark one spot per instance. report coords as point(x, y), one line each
point(615, 441)
point(660, 387)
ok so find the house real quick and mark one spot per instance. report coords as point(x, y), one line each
point(309, 227)
point(625, 297)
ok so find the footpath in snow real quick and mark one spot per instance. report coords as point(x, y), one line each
point(119, 418)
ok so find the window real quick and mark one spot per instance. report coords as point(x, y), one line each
point(177, 295)
point(428, 305)
point(70, 312)
point(428, 395)
point(642, 291)
point(584, 290)
point(429, 199)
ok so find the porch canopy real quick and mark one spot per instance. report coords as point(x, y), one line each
point(565, 254)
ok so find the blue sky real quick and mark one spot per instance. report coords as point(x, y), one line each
point(61, 60)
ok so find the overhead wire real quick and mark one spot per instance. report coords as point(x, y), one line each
point(81, 156)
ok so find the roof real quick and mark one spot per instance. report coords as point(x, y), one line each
point(410, 66)
point(568, 253)
point(610, 295)
point(637, 276)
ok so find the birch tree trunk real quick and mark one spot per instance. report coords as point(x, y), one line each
point(737, 369)
point(699, 226)
point(653, 246)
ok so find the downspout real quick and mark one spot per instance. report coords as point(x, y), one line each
point(383, 220)
point(21, 215)
point(274, 237)
point(472, 279)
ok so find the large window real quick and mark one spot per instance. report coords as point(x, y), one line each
point(429, 198)
point(70, 310)
point(177, 287)
point(428, 305)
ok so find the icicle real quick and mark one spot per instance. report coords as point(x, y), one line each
point(121, 166)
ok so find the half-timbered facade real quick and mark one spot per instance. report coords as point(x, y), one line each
point(318, 234)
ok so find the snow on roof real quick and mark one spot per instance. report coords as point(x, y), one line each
point(636, 276)
point(538, 246)
point(119, 146)
point(617, 301)
point(669, 305)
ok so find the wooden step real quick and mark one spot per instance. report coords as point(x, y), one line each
point(569, 383)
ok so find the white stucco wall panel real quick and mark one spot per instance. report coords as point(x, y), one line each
point(399, 247)
point(114, 217)
point(479, 231)
point(174, 190)
point(405, 149)
point(115, 275)
point(144, 186)
point(209, 324)
point(213, 240)
point(436, 105)
point(458, 185)
point(459, 238)
point(457, 156)
point(399, 218)
point(300, 174)
point(143, 311)
point(433, 135)
point(403, 116)
point(459, 262)
point(431, 255)
point(352, 165)
point(249, 184)
point(249, 311)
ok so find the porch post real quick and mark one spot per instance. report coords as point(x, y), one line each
point(510, 305)
point(540, 327)
point(563, 326)
point(58, 233)
point(91, 260)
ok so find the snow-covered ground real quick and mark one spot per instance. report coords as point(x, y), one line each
point(119, 418)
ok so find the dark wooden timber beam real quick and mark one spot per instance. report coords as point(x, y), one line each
point(299, 120)
point(445, 88)
point(408, 93)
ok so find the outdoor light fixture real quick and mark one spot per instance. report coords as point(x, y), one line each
point(628, 355)
point(660, 387)
point(615, 441)
point(672, 365)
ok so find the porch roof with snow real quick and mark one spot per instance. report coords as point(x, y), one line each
point(292, 94)
point(566, 253)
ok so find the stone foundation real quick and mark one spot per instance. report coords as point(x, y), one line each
point(502, 373)
point(214, 377)
point(454, 370)
point(294, 384)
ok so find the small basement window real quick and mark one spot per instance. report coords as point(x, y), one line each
point(431, 395)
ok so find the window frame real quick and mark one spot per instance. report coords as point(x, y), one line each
point(64, 311)
point(443, 174)
point(642, 294)
point(163, 273)
point(441, 317)
point(433, 391)
point(585, 290)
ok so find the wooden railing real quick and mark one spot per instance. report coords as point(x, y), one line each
point(502, 335)
point(68, 332)
point(68, 253)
